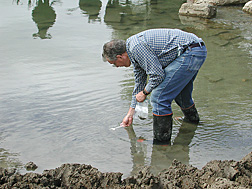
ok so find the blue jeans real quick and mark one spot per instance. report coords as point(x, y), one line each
point(178, 83)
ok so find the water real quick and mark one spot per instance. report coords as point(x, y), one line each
point(58, 99)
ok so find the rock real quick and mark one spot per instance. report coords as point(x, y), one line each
point(190, 1)
point(203, 10)
point(224, 183)
point(30, 166)
point(228, 36)
point(222, 2)
point(215, 174)
point(248, 7)
point(143, 179)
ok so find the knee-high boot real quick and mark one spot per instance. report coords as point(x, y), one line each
point(162, 128)
point(191, 115)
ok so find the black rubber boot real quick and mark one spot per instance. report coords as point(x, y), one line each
point(162, 128)
point(191, 115)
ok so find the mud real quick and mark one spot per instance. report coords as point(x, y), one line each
point(215, 174)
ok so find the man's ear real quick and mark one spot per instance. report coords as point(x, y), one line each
point(119, 56)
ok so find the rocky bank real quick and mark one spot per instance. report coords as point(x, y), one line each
point(248, 7)
point(208, 8)
point(215, 174)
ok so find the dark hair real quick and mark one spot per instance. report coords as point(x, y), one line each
point(113, 48)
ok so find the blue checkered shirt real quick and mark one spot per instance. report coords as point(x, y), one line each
point(151, 51)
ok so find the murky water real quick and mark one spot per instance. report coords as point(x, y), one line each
point(59, 99)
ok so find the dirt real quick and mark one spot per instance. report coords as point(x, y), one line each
point(215, 174)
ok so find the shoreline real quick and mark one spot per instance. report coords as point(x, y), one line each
point(215, 174)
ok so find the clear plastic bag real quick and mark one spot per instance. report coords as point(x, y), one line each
point(141, 109)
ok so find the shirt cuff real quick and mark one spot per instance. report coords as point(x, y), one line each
point(148, 88)
point(133, 102)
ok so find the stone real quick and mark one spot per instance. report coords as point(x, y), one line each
point(215, 174)
point(222, 2)
point(203, 10)
point(30, 166)
point(190, 1)
point(248, 7)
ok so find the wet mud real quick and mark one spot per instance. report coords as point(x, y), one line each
point(215, 174)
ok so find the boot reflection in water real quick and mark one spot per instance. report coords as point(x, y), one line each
point(163, 155)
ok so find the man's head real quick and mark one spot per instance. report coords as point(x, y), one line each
point(115, 53)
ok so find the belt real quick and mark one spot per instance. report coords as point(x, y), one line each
point(192, 46)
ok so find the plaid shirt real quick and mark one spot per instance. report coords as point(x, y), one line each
point(151, 51)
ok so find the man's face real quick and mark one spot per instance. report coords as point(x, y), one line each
point(121, 60)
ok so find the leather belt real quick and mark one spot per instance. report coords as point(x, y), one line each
point(192, 46)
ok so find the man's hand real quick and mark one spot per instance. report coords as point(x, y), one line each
point(140, 97)
point(128, 119)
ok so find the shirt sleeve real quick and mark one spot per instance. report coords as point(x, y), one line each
point(149, 62)
point(146, 63)
point(140, 82)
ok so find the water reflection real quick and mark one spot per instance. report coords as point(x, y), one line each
point(91, 8)
point(162, 155)
point(44, 16)
point(179, 150)
point(138, 150)
point(116, 12)
point(125, 17)
point(130, 17)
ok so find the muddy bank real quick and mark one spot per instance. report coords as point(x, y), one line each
point(215, 174)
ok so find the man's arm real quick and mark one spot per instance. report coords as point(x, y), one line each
point(140, 83)
point(128, 119)
point(149, 62)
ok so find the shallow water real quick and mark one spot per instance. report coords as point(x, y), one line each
point(59, 99)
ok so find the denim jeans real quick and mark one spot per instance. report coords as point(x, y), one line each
point(178, 83)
